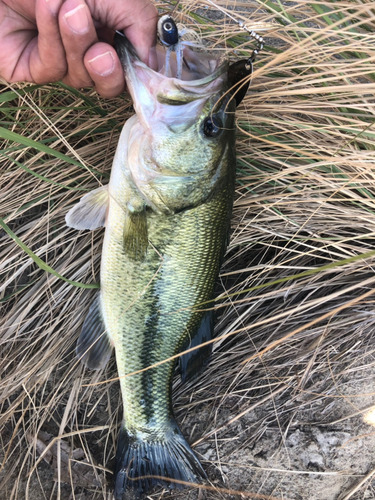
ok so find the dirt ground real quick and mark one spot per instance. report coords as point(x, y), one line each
point(321, 456)
point(323, 453)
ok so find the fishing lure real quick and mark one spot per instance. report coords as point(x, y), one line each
point(171, 37)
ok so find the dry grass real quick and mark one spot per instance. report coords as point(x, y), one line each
point(304, 201)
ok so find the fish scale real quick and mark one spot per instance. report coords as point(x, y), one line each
point(174, 278)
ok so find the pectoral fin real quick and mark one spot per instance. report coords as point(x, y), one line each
point(93, 346)
point(192, 363)
point(90, 213)
point(135, 234)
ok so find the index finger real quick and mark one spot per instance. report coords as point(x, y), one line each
point(142, 32)
point(137, 18)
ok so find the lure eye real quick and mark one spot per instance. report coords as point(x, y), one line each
point(212, 126)
point(168, 26)
point(168, 31)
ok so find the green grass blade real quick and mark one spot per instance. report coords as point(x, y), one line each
point(30, 143)
point(10, 95)
point(39, 262)
point(41, 177)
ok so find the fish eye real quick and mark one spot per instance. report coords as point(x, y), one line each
point(212, 126)
point(168, 31)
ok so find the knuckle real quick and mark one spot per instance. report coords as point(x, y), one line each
point(109, 92)
point(46, 74)
point(77, 82)
point(110, 86)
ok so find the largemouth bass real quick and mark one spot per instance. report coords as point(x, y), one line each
point(167, 212)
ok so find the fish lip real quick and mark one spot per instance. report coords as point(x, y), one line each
point(124, 48)
point(128, 56)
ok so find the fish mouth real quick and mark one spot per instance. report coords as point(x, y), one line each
point(202, 76)
point(198, 67)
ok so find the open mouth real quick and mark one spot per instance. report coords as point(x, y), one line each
point(185, 64)
point(182, 75)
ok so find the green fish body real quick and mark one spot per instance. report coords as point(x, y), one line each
point(167, 212)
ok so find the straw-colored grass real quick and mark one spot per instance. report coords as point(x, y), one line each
point(295, 313)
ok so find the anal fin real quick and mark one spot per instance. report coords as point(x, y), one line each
point(192, 363)
point(90, 212)
point(93, 346)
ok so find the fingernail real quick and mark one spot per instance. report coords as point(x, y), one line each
point(77, 19)
point(54, 6)
point(103, 64)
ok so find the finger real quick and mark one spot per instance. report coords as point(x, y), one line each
point(78, 34)
point(138, 19)
point(47, 56)
point(142, 30)
point(104, 68)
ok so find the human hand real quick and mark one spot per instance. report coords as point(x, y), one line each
point(43, 41)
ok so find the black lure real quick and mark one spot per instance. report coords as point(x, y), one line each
point(167, 31)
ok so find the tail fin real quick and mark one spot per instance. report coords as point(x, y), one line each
point(137, 460)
